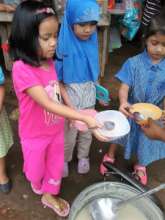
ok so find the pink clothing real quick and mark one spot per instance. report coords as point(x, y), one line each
point(41, 132)
point(34, 121)
point(43, 162)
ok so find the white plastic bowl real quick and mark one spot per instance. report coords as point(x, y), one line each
point(120, 121)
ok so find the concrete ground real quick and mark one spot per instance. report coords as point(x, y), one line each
point(23, 204)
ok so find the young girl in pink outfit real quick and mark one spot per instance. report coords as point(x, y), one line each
point(41, 121)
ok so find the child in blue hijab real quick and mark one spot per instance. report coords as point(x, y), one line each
point(78, 71)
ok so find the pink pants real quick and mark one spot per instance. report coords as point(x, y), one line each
point(43, 162)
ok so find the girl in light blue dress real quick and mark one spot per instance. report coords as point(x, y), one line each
point(6, 139)
point(142, 79)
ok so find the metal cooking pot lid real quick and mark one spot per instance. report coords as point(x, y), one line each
point(95, 202)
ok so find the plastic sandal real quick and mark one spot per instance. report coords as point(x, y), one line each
point(103, 169)
point(56, 208)
point(142, 169)
point(6, 187)
point(83, 166)
point(36, 191)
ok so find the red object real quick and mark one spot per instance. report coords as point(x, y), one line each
point(111, 4)
point(5, 47)
point(106, 158)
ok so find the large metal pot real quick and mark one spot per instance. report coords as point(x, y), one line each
point(143, 209)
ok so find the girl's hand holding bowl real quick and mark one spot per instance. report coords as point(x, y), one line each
point(90, 123)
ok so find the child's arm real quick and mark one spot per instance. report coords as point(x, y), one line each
point(65, 96)
point(39, 95)
point(123, 98)
point(2, 95)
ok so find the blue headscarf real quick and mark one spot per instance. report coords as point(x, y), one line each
point(80, 58)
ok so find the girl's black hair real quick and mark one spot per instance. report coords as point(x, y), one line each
point(23, 41)
point(157, 25)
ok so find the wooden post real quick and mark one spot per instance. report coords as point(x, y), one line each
point(5, 22)
point(103, 36)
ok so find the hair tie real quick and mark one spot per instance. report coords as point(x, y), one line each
point(45, 10)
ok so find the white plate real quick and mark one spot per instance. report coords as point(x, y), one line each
point(121, 127)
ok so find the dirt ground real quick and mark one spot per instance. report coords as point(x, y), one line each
point(23, 204)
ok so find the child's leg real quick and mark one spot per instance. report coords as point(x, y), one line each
point(83, 146)
point(34, 151)
point(112, 151)
point(5, 184)
point(109, 157)
point(54, 164)
point(3, 176)
point(53, 174)
point(140, 173)
point(70, 141)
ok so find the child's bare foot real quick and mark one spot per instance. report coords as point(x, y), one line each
point(59, 205)
point(5, 184)
point(140, 174)
point(3, 179)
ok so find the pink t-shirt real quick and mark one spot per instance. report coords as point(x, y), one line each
point(34, 120)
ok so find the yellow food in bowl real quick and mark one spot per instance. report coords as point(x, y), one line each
point(147, 110)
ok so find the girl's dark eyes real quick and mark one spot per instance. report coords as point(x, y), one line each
point(91, 24)
point(154, 43)
point(46, 38)
point(82, 25)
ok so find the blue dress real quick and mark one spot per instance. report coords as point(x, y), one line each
point(146, 83)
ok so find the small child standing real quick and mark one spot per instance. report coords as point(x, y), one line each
point(41, 121)
point(143, 80)
point(78, 72)
point(6, 139)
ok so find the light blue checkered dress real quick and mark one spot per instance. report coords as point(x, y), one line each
point(6, 139)
point(147, 84)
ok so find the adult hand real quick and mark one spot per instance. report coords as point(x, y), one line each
point(153, 130)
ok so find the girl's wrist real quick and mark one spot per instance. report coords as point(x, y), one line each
point(123, 102)
point(87, 120)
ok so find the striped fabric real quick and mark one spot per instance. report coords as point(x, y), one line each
point(152, 8)
point(82, 95)
point(6, 139)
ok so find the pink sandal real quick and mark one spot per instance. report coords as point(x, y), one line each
point(103, 169)
point(56, 209)
point(142, 179)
